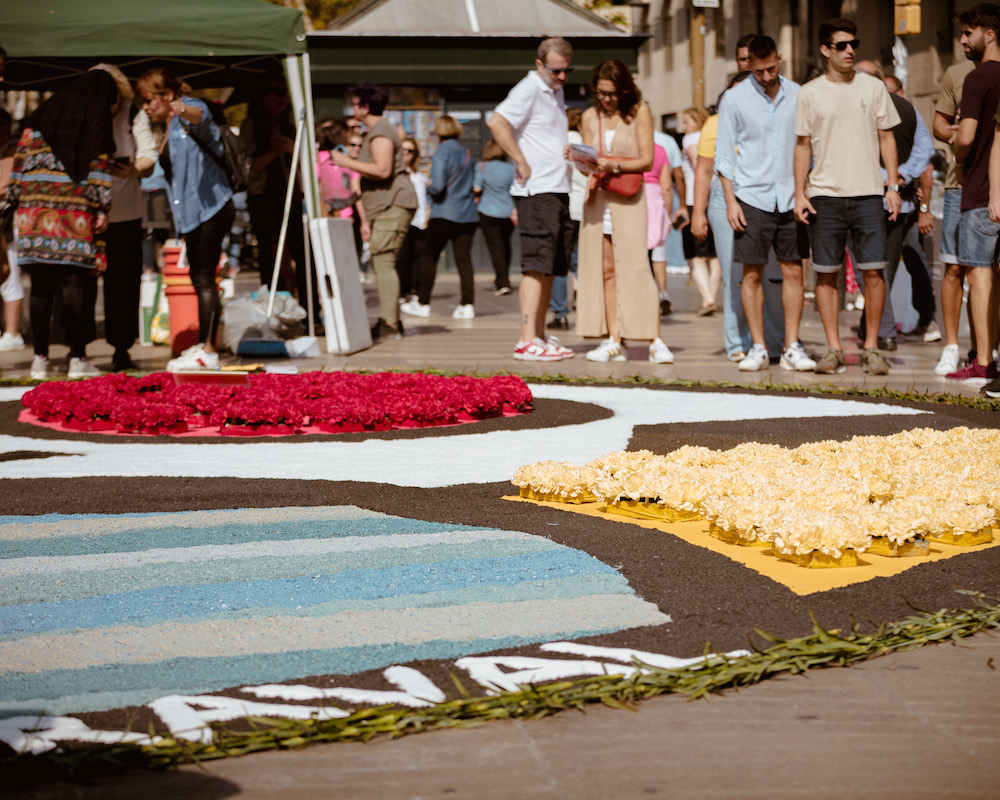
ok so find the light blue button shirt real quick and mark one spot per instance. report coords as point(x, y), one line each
point(199, 187)
point(755, 147)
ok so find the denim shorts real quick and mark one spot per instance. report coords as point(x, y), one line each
point(949, 226)
point(977, 238)
point(836, 218)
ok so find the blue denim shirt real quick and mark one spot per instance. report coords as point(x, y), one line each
point(494, 178)
point(199, 187)
point(451, 183)
point(755, 147)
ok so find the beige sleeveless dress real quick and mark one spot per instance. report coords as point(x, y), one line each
point(637, 299)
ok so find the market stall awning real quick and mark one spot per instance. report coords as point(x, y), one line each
point(206, 42)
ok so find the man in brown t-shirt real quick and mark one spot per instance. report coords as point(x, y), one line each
point(978, 235)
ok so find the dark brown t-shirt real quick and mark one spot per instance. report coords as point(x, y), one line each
point(980, 98)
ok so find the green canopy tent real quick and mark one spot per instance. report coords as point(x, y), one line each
point(208, 43)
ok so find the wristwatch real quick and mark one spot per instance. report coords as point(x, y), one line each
point(893, 188)
point(618, 167)
point(924, 208)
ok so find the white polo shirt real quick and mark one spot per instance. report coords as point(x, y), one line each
point(537, 114)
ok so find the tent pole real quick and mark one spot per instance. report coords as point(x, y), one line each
point(299, 78)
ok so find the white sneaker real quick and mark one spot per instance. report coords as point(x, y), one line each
point(415, 309)
point(81, 368)
point(464, 312)
point(757, 359)
point(535, 350)
point(558, 347)
point(608, 350)
point(933, 333)
point(949, 360)
point(39, 368)
point(796, 359)
point(659, 353)
point(194, 358)
point(11, 341)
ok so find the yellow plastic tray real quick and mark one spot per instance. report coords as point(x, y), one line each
point(970, 539)
point(911, 548)
point(644, 509)
point(818, 560)
point(734, 538)
point(551, 497)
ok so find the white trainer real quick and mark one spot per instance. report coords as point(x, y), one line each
point(415, 309)
point(608, 350)
point(558, 347)
point(659, 353)
point(11, 341)
point(796, 359)
point(194, 358)
point(757, 359)
point(39, 368)
point(949, 360)
point(535, 350)
point(465, 311)
point(81, 368)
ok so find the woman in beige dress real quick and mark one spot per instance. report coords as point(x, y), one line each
point(617, 297)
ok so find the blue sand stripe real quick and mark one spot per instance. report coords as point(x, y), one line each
point(172, 602)
point(143, 683)
point(554, 589)
point(132, 541)
point(62, 586)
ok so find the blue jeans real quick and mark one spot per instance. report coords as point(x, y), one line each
point(559, 303)
point(734, 323)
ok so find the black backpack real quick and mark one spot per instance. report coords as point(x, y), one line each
point(235, 160)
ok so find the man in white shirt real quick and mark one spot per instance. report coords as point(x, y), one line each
point(530, 125)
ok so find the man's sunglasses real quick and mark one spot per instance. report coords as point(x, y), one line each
point(563, 70)
point(842, 46)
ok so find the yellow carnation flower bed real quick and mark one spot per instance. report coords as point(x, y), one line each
point(822, 503)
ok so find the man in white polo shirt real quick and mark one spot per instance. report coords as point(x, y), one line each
point(530, 125)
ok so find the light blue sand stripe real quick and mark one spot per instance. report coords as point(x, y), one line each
point(40, 525)
point(131, 541)
point(78, 691)
point(549, 589)
point(41, 565)
point(77, 586)
point(357, 585)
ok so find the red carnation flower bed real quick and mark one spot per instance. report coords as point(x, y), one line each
point(272, 405)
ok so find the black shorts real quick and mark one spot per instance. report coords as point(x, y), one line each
point(546, 233)
point(693, 248)
point(767, 229)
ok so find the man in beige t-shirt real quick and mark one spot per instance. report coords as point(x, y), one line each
point(843, 124)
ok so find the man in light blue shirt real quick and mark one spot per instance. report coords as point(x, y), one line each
point(754, 158)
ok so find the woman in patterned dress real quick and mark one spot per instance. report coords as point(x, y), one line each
point(61, 185)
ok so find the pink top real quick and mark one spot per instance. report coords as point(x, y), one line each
point(334, 184)
point(660, 160)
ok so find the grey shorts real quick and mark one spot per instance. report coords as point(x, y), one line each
point(863, 218)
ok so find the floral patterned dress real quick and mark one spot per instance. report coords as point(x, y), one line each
point(55, 216)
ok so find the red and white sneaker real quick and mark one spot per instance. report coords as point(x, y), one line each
point(194, 358)
point(558, 347)
point(535, 350)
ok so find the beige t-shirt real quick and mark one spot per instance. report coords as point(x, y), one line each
point(843, 121)
point(949, 101)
